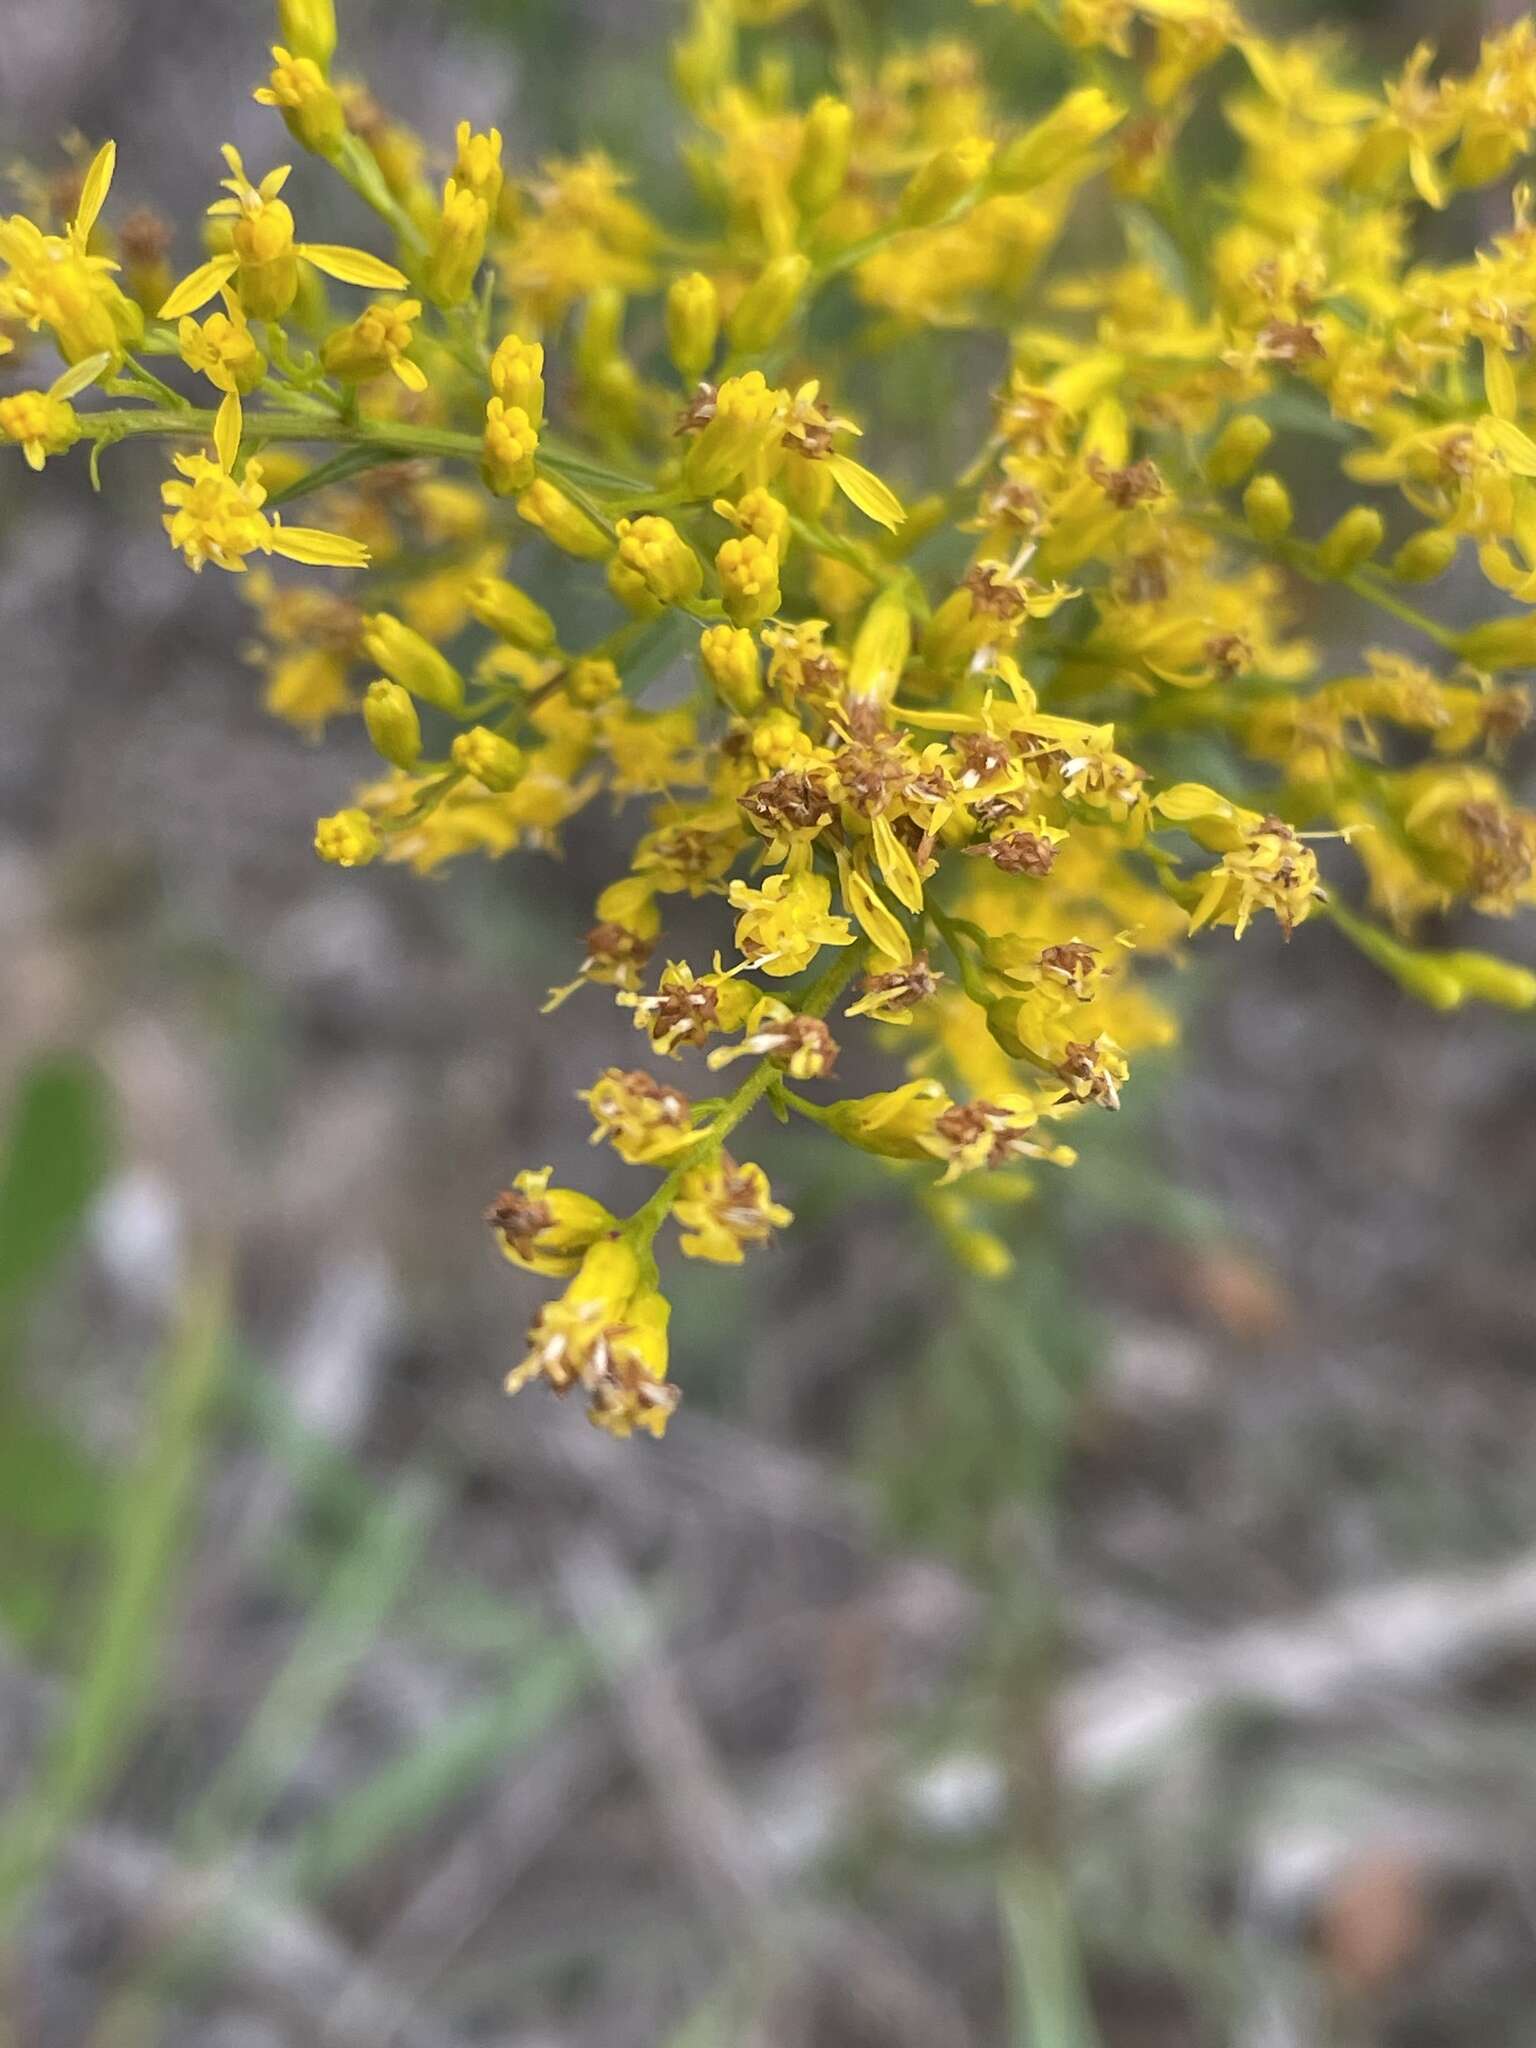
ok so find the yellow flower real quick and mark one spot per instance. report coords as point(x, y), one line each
point(223, 349)
point(309, 107)
point(215, 516)
point(645, 1120)
point(545, 1229)
point(348, 840)
point(375, 344)
point(722, 1209)
point(784, 925)
point(607, 1337)
point(44, 423)
point(263, 259)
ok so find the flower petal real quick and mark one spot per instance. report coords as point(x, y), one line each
point(228, 426)
point(863, 488)
point(322, 550)
point(352, 266)
point(93, 193)
point(199, 288)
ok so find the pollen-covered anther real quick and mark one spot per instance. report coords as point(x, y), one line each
point(1092, 1071)
point(1074, 965)
point(1020, 852)
point(1138, 483)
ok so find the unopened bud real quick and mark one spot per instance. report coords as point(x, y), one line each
point(1237, 448)
point(563, 523)
point(945, 179)
point(510, 444)
point(308, 28)
point(765, 307)
point(749, 579)
point(1267, 507)
point(826, 143)
point(730, 660)
point(1070, 131)
point(502, 608)
point(517, 376)
point(693, 324)
point(412, 662)
point(489, 757)
point(347, 840)
point(1351, 541)
point(393, 723)
point(1427, 555)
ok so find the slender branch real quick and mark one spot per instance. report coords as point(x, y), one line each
point(1304, 558)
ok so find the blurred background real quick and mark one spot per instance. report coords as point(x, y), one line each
point(1140, 1652)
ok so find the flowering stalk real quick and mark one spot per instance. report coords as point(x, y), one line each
point(938, 756)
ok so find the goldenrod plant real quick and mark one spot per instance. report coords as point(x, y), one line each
point(935, 769)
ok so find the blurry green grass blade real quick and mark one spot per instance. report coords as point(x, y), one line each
point(343, 1624)
point(1047, 1997)
point(411, 1791)
point(147, 1542)
point(456, 1614)
point(55, 1154)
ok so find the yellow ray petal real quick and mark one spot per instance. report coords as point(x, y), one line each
point(199, 288)
point(93, 193)
point(228, 426)
point(322, 550)
point(352, 266)
point(863, 488)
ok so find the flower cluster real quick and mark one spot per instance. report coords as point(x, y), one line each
point(974, 759)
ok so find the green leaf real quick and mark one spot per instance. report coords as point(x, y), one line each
point(57, 1148)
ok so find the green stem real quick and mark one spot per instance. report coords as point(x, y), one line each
point(970, 975)
point(389, 437)
point(642, 1227)
point(1301, 556)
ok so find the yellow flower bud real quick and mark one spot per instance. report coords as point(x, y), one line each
point(412, 662)
point(488, 756)
point(943, 181)
point(562, 523)
point(1237, 448)
point(393, 723)
point(347, 840)
point(1352, 540)
point(502, 608)
point(1426, 556)
point(749, 577)
point(457, 246)
point(308, 27)
point(654, 550)
point(592, 681)
point(511, 443)
point(1053, 144)
point(730, 660)
point(693, 324)
point(1267, 507)
point(517, 376)
point(310, 109)
point(375, 344)
point(39, 424)
point(826, 144)
point(765, 308)
point(477, 167)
